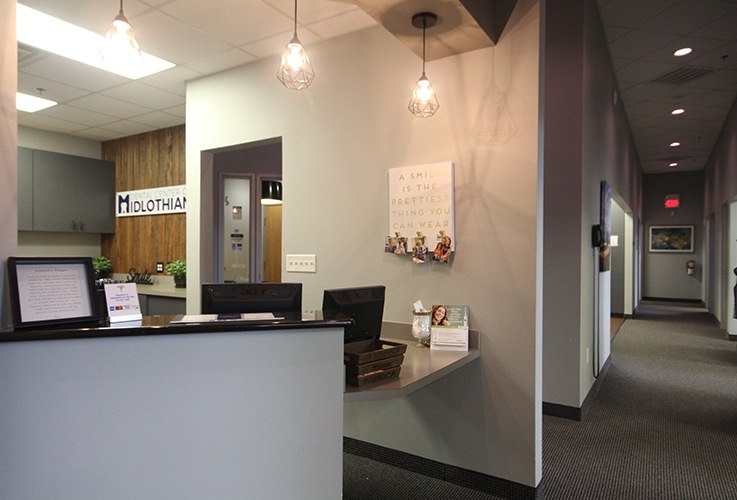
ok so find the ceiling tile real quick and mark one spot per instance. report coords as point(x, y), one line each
point(158, 120)
point(74, 74)
point(274, 45)
point(47, 123)
point(688, 15)
point(99, 134)
point(55, 91)
point(311, 10)
point(173, 40)
point(78, 115)
point(144, 95)
point(639, 43)
point(237, 23)
point(172, 80)
point(340, 25)
point(214, 63)
point(110, 106)
point(127, 127)
point(633, 13)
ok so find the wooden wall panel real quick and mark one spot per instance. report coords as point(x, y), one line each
point(143, 161)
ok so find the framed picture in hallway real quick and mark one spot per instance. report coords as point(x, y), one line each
point(671, 239)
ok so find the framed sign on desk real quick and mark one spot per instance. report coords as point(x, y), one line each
point(50, 291)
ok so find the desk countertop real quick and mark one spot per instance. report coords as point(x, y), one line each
point(161, 325)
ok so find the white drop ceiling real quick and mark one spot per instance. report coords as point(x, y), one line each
point(205, 37)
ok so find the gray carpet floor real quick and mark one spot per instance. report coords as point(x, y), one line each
point(662, 425)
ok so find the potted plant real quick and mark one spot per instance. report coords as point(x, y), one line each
point(178, 269)
point(102, 266)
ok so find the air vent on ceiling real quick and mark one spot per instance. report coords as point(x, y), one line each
point(682, 75)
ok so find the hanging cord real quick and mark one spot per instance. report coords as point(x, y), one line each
point(595, 353)
point(295, 18)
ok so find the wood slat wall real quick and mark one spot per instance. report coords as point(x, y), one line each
point(144, 161)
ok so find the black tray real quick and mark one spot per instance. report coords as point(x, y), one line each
point(368, 351)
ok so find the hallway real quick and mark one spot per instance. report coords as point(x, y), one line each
point(663, 425)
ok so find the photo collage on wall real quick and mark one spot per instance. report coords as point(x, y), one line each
point(420, 251)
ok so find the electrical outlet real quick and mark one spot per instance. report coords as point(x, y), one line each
point(588, 355)
point(301, 263)
point(159, 267)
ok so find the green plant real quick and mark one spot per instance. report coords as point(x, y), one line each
point(102, 264)
point(177, 268)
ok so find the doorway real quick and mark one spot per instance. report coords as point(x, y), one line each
point(240, 238)
point(622, 264)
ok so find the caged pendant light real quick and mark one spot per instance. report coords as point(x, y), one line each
point(424, 102)
point(120, 40)
point(295, 71)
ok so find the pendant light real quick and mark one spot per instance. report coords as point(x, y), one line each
point(271, 193)
point(120, 40)
point(295, 71)
point(424, 102)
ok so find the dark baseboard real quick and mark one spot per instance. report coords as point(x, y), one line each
point(456, 475)
point(732, 337)
point(667, 299)
point(573, 412)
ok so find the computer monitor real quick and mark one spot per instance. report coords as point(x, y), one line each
point(51, 291)
point(234, 298)
point(365, 305)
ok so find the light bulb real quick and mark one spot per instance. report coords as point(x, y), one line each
point(295, 71)
point(424, 103)
point(120, 42)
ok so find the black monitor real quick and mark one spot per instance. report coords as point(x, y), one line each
point(365, 305)
point(235, 298)
point(51, 291)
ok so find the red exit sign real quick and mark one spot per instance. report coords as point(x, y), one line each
point(672, 201)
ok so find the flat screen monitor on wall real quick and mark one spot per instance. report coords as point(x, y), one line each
point(365, 305)
point(50, 291)
point(238, 298)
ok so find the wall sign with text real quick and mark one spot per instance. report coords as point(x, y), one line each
point(154, 201)
point(422, 212)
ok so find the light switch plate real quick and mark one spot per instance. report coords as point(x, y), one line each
point(301, 263)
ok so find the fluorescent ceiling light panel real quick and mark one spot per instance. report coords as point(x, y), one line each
point(67, 40)
point(31, 103)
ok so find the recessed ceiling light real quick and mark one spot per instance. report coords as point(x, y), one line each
point(682, 52)
point(32, 103)
point(678, 111)
point(675, 144)
point(674, 164)
point(67, 40)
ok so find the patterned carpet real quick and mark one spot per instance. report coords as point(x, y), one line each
point(663, 425)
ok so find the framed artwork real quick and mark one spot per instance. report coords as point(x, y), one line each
point(671, 239)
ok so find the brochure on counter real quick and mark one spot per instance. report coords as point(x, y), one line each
point(122, 302)
point(449, 328)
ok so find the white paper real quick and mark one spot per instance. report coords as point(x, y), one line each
point(122, 302)
point(207, 318)
point(418, 306)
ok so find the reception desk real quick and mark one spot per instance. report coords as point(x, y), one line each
point(206, 410)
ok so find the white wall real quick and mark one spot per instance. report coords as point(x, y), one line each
point(731, 269)
point(340, 137)
point(58, 143)
point(8, 151)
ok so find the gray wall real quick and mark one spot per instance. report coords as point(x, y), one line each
point(339, 139)
point(664, 274)
point(8, 151)
point(586, 140)
point(721, 188)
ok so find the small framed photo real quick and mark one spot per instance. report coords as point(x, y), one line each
point(670, 239)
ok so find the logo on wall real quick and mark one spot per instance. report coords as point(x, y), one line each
point(155, 201)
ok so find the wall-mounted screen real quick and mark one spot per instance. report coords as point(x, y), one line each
point(48, 291)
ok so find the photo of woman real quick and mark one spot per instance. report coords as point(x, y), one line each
point(440, 316)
